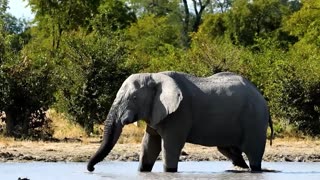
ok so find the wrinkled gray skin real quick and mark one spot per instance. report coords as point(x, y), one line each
point(223, 110)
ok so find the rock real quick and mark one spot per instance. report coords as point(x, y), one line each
point(183, 153)
point(72, 140)
point(299, 159)
point(51, 150)
point(287, 159)
point(28, 158)
point(182, 158)
point(6, 155)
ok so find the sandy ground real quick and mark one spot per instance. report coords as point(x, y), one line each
point(21, 151)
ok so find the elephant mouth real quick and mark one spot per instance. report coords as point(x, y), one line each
point(129, 118)
point(135, 118)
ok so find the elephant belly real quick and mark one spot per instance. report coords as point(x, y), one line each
point(216, 135)
point(217, 122)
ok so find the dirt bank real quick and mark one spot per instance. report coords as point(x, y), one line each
point(21, 151)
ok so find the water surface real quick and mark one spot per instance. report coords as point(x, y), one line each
point(128, 170)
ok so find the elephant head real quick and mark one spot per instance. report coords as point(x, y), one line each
point(149, 97)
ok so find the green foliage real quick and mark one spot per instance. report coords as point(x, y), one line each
point(215, 55)
point(29, 92)
point(76, 54)
point(247, 20)
point(87, 54)
point(101, 70)
point(148, 37)
point(214, 25)
point(303, 91)
point(3, 54)
point(305, 23)
point(26, 87)
point(219, 6)
point(176, 59)
point(64, 15)
point(270, 69)
point(158, 8)
point(114, 15)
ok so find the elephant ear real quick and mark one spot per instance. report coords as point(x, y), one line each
point(167, 97)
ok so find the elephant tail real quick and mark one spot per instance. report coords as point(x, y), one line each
point(271, 128)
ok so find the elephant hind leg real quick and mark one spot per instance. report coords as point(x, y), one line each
point(254, 150)
point(255, 157)
point(254, 161)
point(234, 154)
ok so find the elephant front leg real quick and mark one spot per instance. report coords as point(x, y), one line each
point(151, 147)
point(170, 154)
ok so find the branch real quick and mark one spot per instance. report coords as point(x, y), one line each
point(195, 7)
point(186, 11)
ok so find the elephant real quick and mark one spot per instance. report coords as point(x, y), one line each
point(224, 110)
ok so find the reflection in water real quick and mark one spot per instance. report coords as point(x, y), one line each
point(128, 170)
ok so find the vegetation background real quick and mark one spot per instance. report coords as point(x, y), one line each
point(72, 58)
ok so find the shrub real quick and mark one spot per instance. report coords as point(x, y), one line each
point(100, 71)
point(30, 88)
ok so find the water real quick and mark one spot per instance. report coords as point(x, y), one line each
point(128, 170)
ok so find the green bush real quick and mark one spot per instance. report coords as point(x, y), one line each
point(99, 71)
point(29, 89)
point(150, 38)
point(303, 91)
point(26, 84)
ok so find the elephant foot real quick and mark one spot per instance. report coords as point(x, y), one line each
point(166, 169)
point(145, 167)
point(255, 169)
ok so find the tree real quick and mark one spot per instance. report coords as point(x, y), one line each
point(155, 7)
point(148, 37)
point(101, 59)
point(304, 90)
point(305, 23)
point(220, 6)
point(113, 14)
point(3, 46)
point(30, 93)
point(258, 18)
point(61, 16)
point(180, 14)
point(81, 41)
point(26, 84)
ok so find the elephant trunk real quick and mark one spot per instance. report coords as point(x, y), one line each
point(112, 131)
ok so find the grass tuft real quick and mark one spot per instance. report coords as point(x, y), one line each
point(64, 128)
point(5, 141)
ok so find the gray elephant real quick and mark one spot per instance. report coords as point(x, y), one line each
point(223, 110)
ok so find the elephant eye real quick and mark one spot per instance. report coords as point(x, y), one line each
point(134, 97)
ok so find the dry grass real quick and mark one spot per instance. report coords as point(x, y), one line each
point(63, 127)
point(132, 133)
point(5, 141)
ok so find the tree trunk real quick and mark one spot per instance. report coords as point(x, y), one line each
point(186, 38)
point(10, 123)
point(17, 123)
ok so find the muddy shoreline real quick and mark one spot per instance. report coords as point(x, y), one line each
point(26, 151)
